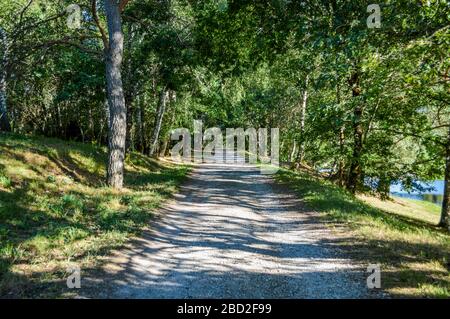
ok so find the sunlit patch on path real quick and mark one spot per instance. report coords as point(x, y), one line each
point(231, 234)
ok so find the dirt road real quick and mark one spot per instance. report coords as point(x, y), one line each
point(232, 233)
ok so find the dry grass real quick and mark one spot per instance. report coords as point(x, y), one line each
point(411, 208)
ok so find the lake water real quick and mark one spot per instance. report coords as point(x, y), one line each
point(435, 195)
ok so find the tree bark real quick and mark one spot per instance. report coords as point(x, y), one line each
point(355, 173)
point(341, 163)
point(294, 150)
point(4, 120)
point(172, 98)
point(445, 212)
point(130, 86)
point(129, 143)
point(301, 152)
point(158, 120)
point(163, 151)
point(140, 124)
point(116, 100)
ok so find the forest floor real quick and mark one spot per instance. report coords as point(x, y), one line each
point(233, 233)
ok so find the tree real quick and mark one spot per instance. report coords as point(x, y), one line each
point(116, 100)
point(369, 106)
point(445, 213)
point(4, 121)
point(163, 96)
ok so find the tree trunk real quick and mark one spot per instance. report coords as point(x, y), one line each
point(341, 163)
point(129, 143)
point(140, 124)
point(4, 120)
point(172, 96)
point(129, 92)
point(163, 151)
point(116, 100)
point(158, 120)
point(294, 150)
point(355, 173)
point(445, 213)
point(104, 123)
point(301, 152)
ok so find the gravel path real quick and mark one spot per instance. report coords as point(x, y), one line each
point(232, 233)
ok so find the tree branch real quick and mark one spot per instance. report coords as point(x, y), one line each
point(99, 26)
point(22, 12)
point(71, 42)
point(412, 134)
point(122, 4)
point(57, 16)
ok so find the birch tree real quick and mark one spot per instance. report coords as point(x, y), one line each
point(4, 121)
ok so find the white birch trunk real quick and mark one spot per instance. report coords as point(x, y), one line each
point(301, 152)
point(158, 121)
point(4, 121)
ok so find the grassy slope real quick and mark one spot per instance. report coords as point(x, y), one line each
point(411, 208)
point(55, 208)
point(400, 235)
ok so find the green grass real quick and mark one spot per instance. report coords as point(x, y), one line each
point(55, 209)
point(401, 235)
